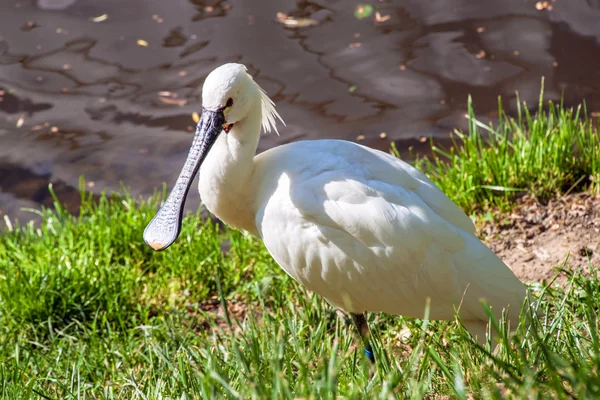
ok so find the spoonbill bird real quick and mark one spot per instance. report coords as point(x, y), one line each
point(361, 228)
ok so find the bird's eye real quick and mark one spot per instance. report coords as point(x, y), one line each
point(229, 102)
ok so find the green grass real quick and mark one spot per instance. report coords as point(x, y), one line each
point(88, 311)
point(547, 154)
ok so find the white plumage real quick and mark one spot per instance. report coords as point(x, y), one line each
point(361, 228)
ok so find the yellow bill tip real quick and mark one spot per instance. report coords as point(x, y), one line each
point(156, 245)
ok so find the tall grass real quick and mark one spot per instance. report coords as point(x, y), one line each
point(87, 312)
point(553, 152)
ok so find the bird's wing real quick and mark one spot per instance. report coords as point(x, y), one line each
point(346, 223)
point(430, 193)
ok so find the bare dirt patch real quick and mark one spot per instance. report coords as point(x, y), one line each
point(212, 312)
point(535, 237)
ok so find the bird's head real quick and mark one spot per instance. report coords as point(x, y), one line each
point(229, 95)
point(230, 91)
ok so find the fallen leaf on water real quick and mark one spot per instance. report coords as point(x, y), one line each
point(480, 55)
point(142, 42)
point(352, 89)
point(360, 138)
point(363, 11)
point(195, 117)
point(543, 5)
point(20, 121)
point(422, 139)
point(168, 100)
point(480, 29)
point(292, 22)
point(100, 18)
point(383, 135)
point(379, 18)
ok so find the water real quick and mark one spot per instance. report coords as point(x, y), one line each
point(107, 88)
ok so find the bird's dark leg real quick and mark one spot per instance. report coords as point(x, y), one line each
point(363, 331)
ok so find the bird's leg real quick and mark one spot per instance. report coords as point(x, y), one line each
point(363, 331)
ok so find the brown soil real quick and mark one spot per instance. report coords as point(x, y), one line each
point(535, 237)
point(237, 309)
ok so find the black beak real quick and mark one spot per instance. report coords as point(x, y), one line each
point(164, 228)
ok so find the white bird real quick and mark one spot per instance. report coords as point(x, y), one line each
point(361, 228)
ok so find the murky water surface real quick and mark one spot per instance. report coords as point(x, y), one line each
point(107, 88)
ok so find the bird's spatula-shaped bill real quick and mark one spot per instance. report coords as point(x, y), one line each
point(164, 228)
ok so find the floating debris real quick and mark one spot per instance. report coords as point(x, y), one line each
point(20, 121)
point(352, 89)
point(54, 129)
point(142, 42)
point(360, 138)
point(543, 5)
point(158, 19)
point(379, 18)
point(29, 26)
point(383, 135)
point(292, 22)
point(480, 29)
point(422, 139)
point(178, 102)
point(100, 18)
point(171, 98)
point(480, 55)
point(195, 117)
point(363, 11)
point(182, 73)
point(354, 45)
point(402, 67)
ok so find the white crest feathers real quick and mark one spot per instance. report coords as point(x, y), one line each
point(269, 113)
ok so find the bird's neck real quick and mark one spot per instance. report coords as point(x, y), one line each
point(225, 182)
